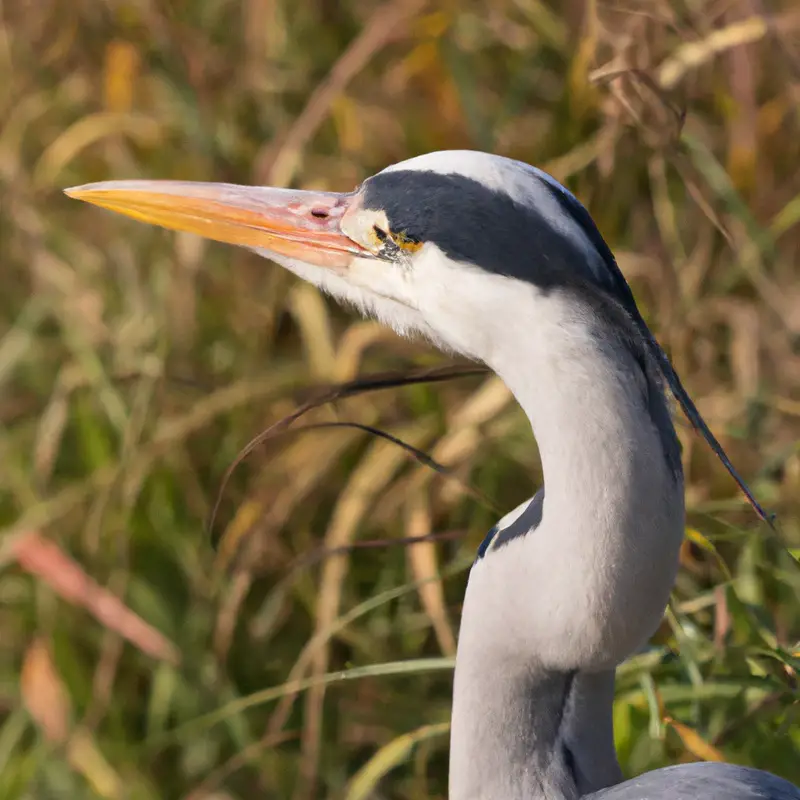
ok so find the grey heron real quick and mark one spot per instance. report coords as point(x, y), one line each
point(493, 259)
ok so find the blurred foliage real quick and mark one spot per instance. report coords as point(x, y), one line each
point(143, 657)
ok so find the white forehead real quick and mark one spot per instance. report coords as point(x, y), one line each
point(494, 172)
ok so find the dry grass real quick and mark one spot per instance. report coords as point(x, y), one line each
point(134, 365)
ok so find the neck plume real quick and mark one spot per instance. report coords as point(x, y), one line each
point(549, 614)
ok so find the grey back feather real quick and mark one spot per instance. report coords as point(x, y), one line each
point(701, 781)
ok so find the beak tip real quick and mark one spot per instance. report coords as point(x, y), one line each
point(81, 192)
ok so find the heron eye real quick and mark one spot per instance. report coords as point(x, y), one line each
point(381, 234)
point(407, 242)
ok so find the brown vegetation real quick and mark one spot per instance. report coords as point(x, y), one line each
point(135, 364)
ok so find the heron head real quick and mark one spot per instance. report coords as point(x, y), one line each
point(429, 245)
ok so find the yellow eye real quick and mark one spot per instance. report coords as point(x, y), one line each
point(379, 235)
point(406, 242)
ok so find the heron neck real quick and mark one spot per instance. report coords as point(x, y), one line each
point(548, 615)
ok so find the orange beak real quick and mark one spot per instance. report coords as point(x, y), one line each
point(299, 224)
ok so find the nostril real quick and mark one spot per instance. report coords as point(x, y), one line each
point(319, 213)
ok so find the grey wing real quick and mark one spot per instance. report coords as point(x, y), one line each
point(702, 781)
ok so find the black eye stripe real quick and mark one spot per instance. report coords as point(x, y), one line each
point(380, 233)
point(476, 224)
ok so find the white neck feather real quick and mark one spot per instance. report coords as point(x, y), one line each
point(586, 588)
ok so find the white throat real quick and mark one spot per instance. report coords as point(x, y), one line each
point(583, 591)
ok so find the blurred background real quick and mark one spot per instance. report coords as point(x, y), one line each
point(148, 654)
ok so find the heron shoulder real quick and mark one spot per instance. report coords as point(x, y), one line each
point(701, 781)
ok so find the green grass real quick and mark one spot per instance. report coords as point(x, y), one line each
point(135, 364)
